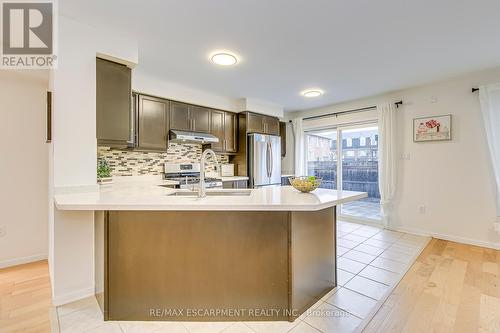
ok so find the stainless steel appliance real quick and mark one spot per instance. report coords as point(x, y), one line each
point(264, 159)
point(192, 137)
point(188, 176)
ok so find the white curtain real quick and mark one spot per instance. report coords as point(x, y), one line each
point(489, 97)
point(300, 157)
point(387, 159)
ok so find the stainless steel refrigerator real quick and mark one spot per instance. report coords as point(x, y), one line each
point(264, 160)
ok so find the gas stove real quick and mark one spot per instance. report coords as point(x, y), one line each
point(188, 175)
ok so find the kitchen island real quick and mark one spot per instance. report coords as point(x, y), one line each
point(263, 254)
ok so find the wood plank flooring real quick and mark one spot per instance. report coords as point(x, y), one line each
point(451, 287)
point(25, 298)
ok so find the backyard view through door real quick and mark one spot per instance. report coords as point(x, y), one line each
point(347, 158)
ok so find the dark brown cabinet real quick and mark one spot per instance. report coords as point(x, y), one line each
point(271, 125)
point(224, 125)
point(186, 117)
point(230, 132)
point(283, 138)
point(217, 129)
point(257, 123)
point(179, 116)
point(113, 104)
point(235, 184)
point(152, 123)
point(200, 118)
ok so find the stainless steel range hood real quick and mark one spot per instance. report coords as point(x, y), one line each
point(192, 137)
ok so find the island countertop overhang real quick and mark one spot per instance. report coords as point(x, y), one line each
point(155, 198)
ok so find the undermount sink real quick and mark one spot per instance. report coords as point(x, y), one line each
point(211, 193)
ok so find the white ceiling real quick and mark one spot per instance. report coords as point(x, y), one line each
point(350, 49)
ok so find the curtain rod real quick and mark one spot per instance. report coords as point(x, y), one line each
point(348, 111)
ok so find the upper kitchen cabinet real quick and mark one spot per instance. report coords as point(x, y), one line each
point(257, 123)
point(230, 132)
point(186, 117)
point(272, 125)
point(114, 116)
point(283, 138)
point(152, 123)
point(179, 116)
point(217, 129)
point(224, 125)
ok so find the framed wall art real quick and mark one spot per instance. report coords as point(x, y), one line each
point(436, 128)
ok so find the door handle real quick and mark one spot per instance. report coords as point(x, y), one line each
point(271, 162)
point(267, 159)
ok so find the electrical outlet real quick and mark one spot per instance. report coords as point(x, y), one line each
point(422, 209)
point(2, 231)
point(404, 156)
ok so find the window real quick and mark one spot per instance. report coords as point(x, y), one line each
point(362, 141)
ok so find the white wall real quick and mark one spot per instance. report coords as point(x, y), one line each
point(74, 151)
point(23, 167)
point(453, 180)
point(261, 106)
point(149, 84)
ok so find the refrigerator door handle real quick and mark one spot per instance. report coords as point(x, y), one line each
point(271, 161)
point(268, 159)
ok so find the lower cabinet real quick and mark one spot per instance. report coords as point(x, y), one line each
point(235, 184)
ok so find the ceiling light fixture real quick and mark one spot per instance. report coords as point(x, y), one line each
point(224, 59)
point(311, 93)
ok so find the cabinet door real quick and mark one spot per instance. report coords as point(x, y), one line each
point(241, 184)
point(283, 138)
point(152, 123)
point(113, 103)
point(272, 125)
point(217, 129)
point(179, 116)
point(255, 123)
point(230, 132)
point(229, 185)
point(200, 119)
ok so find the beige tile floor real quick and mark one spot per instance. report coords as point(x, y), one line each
point(371, 261)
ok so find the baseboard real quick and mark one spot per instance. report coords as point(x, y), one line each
point(23, 260)
point(452, 238)
point(72, 296)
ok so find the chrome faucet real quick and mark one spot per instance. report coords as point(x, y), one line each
point(202, 189)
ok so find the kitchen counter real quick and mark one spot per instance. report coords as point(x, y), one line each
point(150, 196)
point(274, 249)
point(233, 178)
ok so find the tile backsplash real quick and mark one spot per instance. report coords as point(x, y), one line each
point(136, 163)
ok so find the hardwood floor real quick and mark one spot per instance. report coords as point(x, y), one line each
point(25, 298)
point(451, 287)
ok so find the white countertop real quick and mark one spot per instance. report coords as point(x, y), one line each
point(147, 195)
point(233, 178)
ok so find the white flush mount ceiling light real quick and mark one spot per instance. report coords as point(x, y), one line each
point(311, 93)
point(224, 59)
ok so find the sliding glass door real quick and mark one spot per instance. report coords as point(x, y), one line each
point(346, 158)
point(321, 152)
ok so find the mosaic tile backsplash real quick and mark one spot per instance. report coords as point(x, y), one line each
point(137, 163)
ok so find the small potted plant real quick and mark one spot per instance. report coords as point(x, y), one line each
point(103, 172)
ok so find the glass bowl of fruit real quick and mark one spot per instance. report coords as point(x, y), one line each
point(305, 184)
